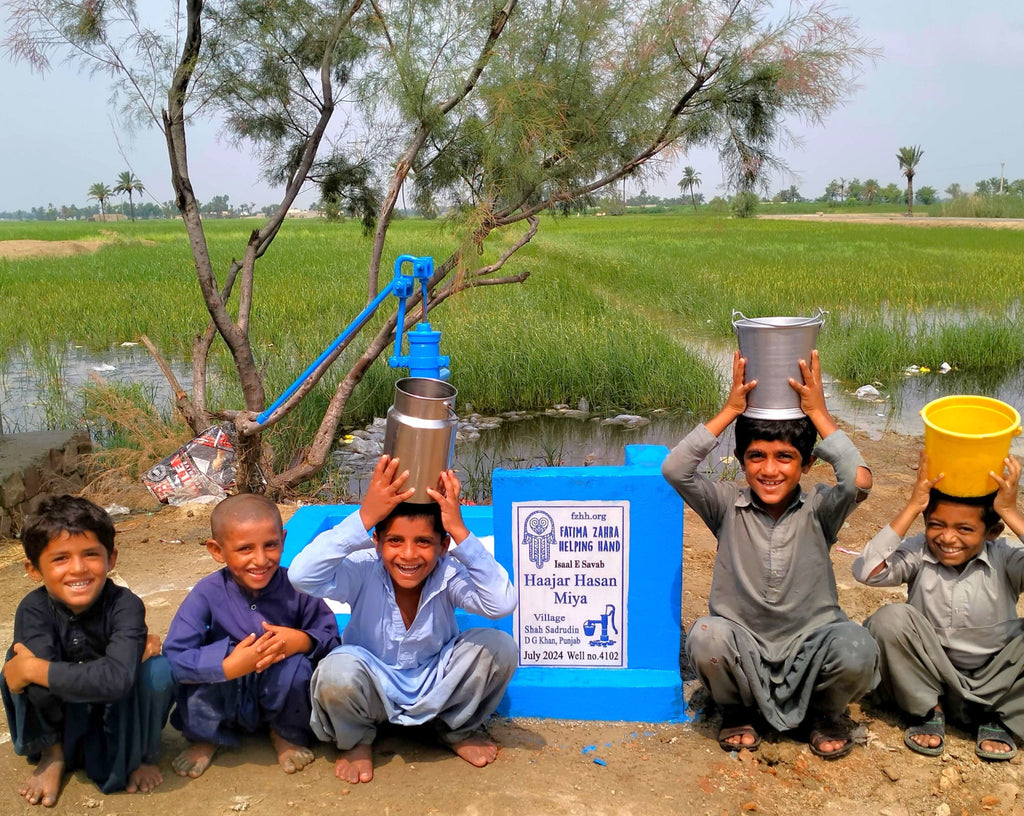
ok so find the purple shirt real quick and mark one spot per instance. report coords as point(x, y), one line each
point(217, 614)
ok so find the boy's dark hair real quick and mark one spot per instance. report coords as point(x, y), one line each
point(428, 510)
point(989, 516)
point(800, 433)
point(65, 514)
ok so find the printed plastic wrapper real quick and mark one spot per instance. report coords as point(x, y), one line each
point(203, 467)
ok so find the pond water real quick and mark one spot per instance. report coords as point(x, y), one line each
point(37, 394)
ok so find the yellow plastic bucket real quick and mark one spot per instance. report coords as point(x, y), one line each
point(965, 437)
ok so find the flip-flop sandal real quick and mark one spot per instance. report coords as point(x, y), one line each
point(830, 729)
point(995, 732)
point(932, 724)
point(738, 721)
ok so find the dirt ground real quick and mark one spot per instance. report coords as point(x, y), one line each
point(545, 766)
point(23, 249)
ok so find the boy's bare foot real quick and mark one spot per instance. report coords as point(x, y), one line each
point(43, 787)
point(477, 749)
point(355, 764)
point(144, 779)
point(290, 756)
point(194, 760)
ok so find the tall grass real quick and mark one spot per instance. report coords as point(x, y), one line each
point(984, 206)
point(616, 310)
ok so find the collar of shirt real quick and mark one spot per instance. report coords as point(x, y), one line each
point(434, 585)
point(249, 595)
point(64, 612)
point(746, 498)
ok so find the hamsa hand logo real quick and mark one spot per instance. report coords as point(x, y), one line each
point(539, 537)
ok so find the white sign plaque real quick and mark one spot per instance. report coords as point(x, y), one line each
point(572, 575)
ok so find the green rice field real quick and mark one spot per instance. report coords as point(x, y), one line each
point(617, 310)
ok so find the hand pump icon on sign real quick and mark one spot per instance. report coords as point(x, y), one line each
point(590, 626)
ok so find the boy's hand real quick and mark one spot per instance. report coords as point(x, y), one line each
point(922, 491)
point(295, 641)
point(812, 396)
point(1005, 502)
point(153, 647)
point(253, 654)
point(24, 669)
point(919, 496)
point(736, 403)
point(451, 511)
point(384, 493)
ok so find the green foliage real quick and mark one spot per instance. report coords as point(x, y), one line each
point(984, 206)
point(616, 310)
point(744, 204)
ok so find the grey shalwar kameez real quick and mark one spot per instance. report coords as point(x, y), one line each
point(958, 637)
point(775, 636)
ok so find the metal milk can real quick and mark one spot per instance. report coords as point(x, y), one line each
point(420, 431)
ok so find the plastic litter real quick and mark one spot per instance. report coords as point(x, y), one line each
point(867, 392)
point(117, 510)
point(601, 762)
point(204, 466)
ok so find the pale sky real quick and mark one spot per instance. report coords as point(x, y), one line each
point(949, 80)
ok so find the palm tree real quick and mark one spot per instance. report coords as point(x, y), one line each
point(908, 158)
point(101, 192)
point(870, 191)
point(690, 179)
point(128, 183)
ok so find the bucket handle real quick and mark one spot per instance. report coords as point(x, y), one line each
point(820, 316)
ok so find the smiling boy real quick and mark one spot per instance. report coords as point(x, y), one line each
point(957, 645)
point(775, 646)
point(243, 644)
point(403, 658)
point(84, 685)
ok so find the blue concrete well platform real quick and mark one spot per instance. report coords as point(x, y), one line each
point(595, 554)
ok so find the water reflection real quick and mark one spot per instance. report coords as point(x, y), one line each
point(42, 391)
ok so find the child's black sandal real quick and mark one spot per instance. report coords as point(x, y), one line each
point(933, 724)
point(994, 732)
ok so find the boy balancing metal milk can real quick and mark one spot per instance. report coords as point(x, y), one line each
point(773, 348)
point(420, 431)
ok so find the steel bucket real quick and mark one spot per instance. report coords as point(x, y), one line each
point(773, 348)
point(420, 431)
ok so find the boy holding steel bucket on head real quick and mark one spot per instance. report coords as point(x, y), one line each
point(775, 647)
point(403, 659)
point(956, 646)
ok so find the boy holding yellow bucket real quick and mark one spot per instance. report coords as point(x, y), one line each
point(956, 646)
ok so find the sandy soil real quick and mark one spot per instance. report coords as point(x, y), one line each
point(22, 249)
point(542, 768)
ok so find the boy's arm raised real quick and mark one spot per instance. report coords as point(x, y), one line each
point(878, 560)
point(708, 499)
point(736, 403)
point(812, 396)
point(1005, 503)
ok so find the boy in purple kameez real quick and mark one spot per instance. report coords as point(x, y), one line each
point(244, 643)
